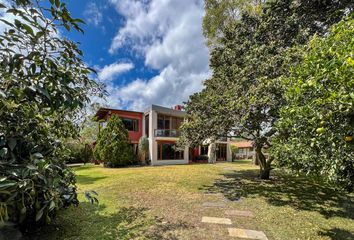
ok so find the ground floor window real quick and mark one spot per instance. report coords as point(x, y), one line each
point(169, 151)
point(221, 152)
point(204, 150)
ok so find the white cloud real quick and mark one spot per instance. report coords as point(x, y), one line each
point(109, 72)
point(93, 14)
point(168, 34)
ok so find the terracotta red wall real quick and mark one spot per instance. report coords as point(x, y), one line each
point(134, 136)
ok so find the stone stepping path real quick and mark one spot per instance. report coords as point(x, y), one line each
point(246, 233)
point(239, 213)
point(214, 204)
point(216, 220)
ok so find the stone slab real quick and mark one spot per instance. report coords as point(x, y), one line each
point(214, 204)
point(216, 220)
point(239, 213)
point(247, 234)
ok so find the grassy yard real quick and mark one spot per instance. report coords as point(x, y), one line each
point(166, 203)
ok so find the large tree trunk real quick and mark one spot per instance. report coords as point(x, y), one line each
point(264, 164)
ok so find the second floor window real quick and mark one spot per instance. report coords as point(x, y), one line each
point(131, 124)
point(168, 122)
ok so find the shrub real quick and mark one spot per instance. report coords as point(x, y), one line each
point(143, 149)
point(234, 150)
point(202, 158)
point(78, 152)
point(41, 92)
point(113, 147)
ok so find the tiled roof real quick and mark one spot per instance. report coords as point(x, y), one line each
point(242, 144)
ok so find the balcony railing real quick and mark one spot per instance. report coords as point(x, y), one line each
point(166, 133)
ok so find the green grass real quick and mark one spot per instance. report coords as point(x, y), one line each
point(166, 203)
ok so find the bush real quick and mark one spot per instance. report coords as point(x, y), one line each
point(113, 147)
point(202, 158)
point(41, 93)
point(143, 149)
point(33, 188)
point(78, 152)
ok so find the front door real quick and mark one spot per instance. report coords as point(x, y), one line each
point(221, 152)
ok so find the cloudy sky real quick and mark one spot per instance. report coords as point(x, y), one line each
point(146, 52)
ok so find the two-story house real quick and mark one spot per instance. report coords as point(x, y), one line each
point(161, 126)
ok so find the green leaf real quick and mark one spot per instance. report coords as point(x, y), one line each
point(37, 155)
point(67, 26)
point(12, 143)
point(7, 185)
point(18, 23)
point(7, 22)
point(40, 214)
point(51, 205)
point(28, 29)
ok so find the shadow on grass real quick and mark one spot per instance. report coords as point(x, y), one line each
point(85, 179)
point(90, 222)
point(337, 233)
point(284, 190)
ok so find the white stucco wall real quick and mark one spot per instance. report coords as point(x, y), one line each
point(153, 143)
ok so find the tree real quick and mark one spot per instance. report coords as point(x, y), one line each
point(234, 151)
point(219, 14)
point(89, 126)
point(44, 83)
point(244, 94)
point(317, 124)
point(113, 144)
point(143, 149)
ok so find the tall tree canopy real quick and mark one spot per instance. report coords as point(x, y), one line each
point(43, 84)
point(219, 14)
point(317, 125)
point(244, 94)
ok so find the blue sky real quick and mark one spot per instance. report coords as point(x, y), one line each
point(146, 52)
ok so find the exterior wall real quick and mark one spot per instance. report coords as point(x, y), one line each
point(247, 153)
point(153, 141)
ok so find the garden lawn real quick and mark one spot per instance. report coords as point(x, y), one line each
point(167, 203)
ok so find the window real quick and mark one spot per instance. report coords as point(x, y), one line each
point(204, 150)
point(221, 152)
point(168, 151)
point(161, 121)
point(147, 125)
point(131, 124)
point(168, 122)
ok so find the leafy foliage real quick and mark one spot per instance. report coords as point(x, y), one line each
point(221, 13)
point(78, 151)
point(317, 124)
point(143, 149)
point(113, 144)
point(244, 94)
point(44, 83)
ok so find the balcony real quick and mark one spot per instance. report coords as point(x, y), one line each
point(167, 133)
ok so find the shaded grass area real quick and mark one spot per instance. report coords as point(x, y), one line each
point(298, 198)
point(90, 223)
point(166, 203)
